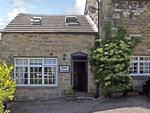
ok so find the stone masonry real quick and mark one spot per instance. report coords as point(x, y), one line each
point(134, 16)
point(40, 45)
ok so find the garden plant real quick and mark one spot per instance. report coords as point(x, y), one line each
point(7, 85)
point(111, 60)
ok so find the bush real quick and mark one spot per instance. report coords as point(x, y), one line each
point(70, 92)
point(91, 90)
point(112, 59)
point(7, 85)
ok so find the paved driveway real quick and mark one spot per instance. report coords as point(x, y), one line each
point(134, 104)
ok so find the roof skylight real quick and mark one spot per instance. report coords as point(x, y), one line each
point(71, 20)
point(36, 20)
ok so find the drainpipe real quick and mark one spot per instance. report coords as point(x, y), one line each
point(99, 35)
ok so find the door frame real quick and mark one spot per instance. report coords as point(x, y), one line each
point(78, 54)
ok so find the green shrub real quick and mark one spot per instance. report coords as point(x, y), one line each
point(70, 92)
point(91, 90)
point(7, 85)
point(112, 59)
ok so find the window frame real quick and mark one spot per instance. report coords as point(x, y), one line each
point(141, 61)
point(43, 65)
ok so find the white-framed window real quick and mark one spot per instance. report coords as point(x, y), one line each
point(36, 71)
point(139, 65)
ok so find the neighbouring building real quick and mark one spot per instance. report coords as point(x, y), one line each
point(50, 53)
point(134, 15)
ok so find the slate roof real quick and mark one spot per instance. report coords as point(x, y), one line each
point(50, 24)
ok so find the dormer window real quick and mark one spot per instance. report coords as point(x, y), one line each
point(71, 20)
point(36, 20)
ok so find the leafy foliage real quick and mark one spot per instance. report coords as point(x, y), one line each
point(91, 91)
point(7, 85)
point(70, 91)
point(112, 59)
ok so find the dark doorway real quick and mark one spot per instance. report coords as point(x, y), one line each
point(80, 76)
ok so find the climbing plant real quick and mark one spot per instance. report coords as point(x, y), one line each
point(112, 58)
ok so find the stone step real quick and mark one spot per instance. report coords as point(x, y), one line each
point(80, 98)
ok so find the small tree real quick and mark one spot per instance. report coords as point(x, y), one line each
point(70, 91)
point(91, 91)
point(7, 85)
point(112, 60)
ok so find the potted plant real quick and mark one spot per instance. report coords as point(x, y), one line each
point(70, 92)
point(132, 92)
point(91, 92)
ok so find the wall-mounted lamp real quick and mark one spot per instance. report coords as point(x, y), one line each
point(50, 53)
point(64, 55)
point(10, 57)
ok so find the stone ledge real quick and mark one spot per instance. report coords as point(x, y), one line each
point(80, 98)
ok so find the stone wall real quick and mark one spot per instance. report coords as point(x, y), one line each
point(40, 45)
point(133, 15)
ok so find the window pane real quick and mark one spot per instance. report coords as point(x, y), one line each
point(54, 69)
point(31, 75)
point(17, 62)
point(40, 69)
point(54, 81)
point(36, 81)
point(135, 58)
point(17, 75)
point(50, 75)
point(45, 75)
point(17, 69)
point(146, 65)
point(141, 58)
point(40, 81)
point(35, 61)
point(21, 75)
point(45, 61)
point(40, 61)
point(45, 81)
point(22, 81)
point(54, 75)
point(25, 62)
point(50, 61)
point(31, 81)
point(54, 61)
point(26, 81)
point(31, 69)
point(48, 69)
point(133, 69)
point(21, 61)
point(50, 81)
point(25, 75)
point(146, 58)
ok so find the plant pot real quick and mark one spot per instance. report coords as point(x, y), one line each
point(70, 95)
point(91, 95)
point(116, 94)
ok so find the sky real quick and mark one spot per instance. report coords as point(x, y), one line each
point(11, 8)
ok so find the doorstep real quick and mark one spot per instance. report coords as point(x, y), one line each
point(80, 98)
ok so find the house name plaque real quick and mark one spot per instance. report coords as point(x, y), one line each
point(64, 69)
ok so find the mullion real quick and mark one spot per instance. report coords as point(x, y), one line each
point(52, 75)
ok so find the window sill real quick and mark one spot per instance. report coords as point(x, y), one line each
point(33, 86)
point(140, 75)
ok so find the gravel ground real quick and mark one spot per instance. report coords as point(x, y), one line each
point(132, 104)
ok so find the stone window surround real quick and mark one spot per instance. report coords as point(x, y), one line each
point(43, 65)
point(141, 60)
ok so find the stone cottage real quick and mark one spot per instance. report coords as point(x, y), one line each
point(50, 53)
point(134, 15)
